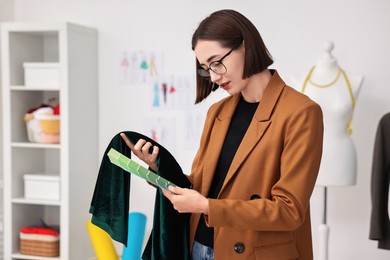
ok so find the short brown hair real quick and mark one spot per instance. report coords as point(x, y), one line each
point(230, 29)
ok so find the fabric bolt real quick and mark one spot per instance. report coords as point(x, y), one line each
point(169, 238)
point(101, 242)
point(136, 234)
point(39, 230)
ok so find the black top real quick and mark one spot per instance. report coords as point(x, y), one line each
point(238, 126)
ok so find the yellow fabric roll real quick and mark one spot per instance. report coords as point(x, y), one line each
point(102, 243)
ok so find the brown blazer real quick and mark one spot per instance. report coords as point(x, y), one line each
point(262, 211)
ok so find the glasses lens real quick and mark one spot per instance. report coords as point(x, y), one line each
point(218, 67)
point(204, 73)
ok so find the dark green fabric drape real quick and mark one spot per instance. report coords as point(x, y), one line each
point(169, 238)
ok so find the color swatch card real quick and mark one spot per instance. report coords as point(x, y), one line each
point(135, 168)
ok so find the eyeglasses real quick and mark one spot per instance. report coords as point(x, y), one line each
point(216, 66)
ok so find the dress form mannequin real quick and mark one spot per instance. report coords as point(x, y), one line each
point(336, 92)
point(327, 84)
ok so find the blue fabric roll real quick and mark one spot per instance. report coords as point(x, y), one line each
point(135, 236)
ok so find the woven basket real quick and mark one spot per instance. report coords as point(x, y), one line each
point(39, 248)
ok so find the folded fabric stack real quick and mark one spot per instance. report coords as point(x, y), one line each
point(43, 124)
point(39, 241)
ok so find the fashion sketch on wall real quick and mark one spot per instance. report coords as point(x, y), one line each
point(139, 67)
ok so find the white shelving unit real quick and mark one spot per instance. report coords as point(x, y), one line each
point(75, 159)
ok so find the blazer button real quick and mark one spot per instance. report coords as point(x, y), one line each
point(255, 197)
point(239, 247)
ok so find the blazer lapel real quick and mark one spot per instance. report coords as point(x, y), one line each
point(260, 122)
point(218, 134)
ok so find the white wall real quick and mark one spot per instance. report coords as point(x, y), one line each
point(6, 10)
point(293, 31)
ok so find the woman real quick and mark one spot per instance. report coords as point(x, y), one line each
point(259, 153)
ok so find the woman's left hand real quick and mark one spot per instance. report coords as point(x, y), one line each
point(187, 200)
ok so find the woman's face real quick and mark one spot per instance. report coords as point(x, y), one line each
point(211, 51)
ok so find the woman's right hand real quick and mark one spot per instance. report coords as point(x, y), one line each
point(142, 150)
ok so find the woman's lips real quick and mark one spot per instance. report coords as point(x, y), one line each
point(225, 86)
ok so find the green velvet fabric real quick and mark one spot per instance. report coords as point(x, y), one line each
point(169, 239)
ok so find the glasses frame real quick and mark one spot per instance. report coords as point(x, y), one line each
point(206, 72)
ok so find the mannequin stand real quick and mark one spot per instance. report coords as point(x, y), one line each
point(323, 231)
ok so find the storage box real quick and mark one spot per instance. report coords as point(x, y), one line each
point(46, 187)
point(41, 74)
point(34, 245)
point(43, 128)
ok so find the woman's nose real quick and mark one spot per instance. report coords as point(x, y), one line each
point(214, 76)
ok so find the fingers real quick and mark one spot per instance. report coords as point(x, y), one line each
point(167, 194)
point(153, 155)
point(127, 141)
point(174, 190)
point(185, 200)
point(143, 146)
point(143, 150)
point(146, 151)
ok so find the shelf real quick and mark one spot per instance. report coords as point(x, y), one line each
point(75, 159)
point(24, 88)
point(32, 257)
point(35, 145)
point(36, 202)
